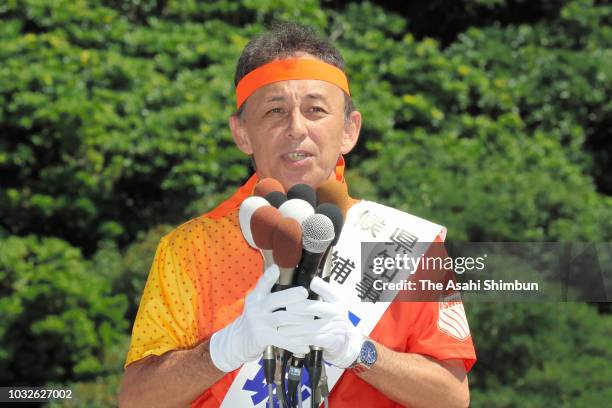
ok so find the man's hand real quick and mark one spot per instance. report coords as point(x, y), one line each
point(333, 331)
point(178, 377)
point(407, 378)
point(258, 326)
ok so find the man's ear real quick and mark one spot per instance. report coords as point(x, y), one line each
point(241, 138)
point(352, 127)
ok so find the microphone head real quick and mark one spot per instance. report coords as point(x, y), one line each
point(334, 192)
point(247, 208)
point(263, 223)
point(266, 186)
point(303, 192)
point(276, 198)
point(317, 233)
point(332, 212)
point(297, 209)
point(287, 243)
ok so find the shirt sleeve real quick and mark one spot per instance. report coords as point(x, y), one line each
point(166, 315)
point(440, 328)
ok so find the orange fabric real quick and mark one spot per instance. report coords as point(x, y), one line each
point(197, 285)
point(409, 327)
point(286, 69)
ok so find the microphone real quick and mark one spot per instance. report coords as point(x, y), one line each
point(276, 198)
point(303, 192)
point(317, 234)
point(266, 186)
point(315, 364)
point(335, 215)
point(300, 203)
point(247, 208)
point(334, 192)
point(297, 209)
point(272, 190)
point(263, 222)
point(286, 250)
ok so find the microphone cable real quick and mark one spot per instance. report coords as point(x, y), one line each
point(285, 360)
point(294, 379)
point(334, 213)
point(269, 360)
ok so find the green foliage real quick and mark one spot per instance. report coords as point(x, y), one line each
point(99, 393)
point(532, 355)
point(477, 139)
point(558, 78)
point(105, 136)
point(59, 321)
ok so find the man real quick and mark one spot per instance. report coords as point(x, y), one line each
point(195, 329)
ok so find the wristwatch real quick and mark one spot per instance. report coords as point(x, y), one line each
point(366, 358)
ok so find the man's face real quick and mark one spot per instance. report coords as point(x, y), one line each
point(296, 131)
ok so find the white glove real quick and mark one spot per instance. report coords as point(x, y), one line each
point(333, 332)
point(246, 338)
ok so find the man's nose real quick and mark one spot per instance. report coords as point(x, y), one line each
point(297, 125)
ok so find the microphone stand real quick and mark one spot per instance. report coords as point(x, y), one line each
point(269, 357)
point(311, 263)
point(317, 374)
point(322, 386)
point(279, 376)
point(269, 360)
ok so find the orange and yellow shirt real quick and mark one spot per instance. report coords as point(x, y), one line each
point(200, 276)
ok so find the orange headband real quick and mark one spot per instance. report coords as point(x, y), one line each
point(282, 70)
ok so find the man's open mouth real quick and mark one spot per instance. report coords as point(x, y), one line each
point(297, 156)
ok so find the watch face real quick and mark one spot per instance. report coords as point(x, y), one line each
point(368, 353)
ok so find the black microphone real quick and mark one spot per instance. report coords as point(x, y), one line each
point(276, 198)
point(334, 213)
point(317, 234)
point(303, 192)
point(315, 362)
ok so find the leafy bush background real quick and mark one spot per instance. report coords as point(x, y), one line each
point(491, 117)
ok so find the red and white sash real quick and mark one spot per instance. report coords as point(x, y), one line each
point(366, 221)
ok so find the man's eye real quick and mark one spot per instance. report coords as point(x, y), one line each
point(276, 110)
point(317, 109)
